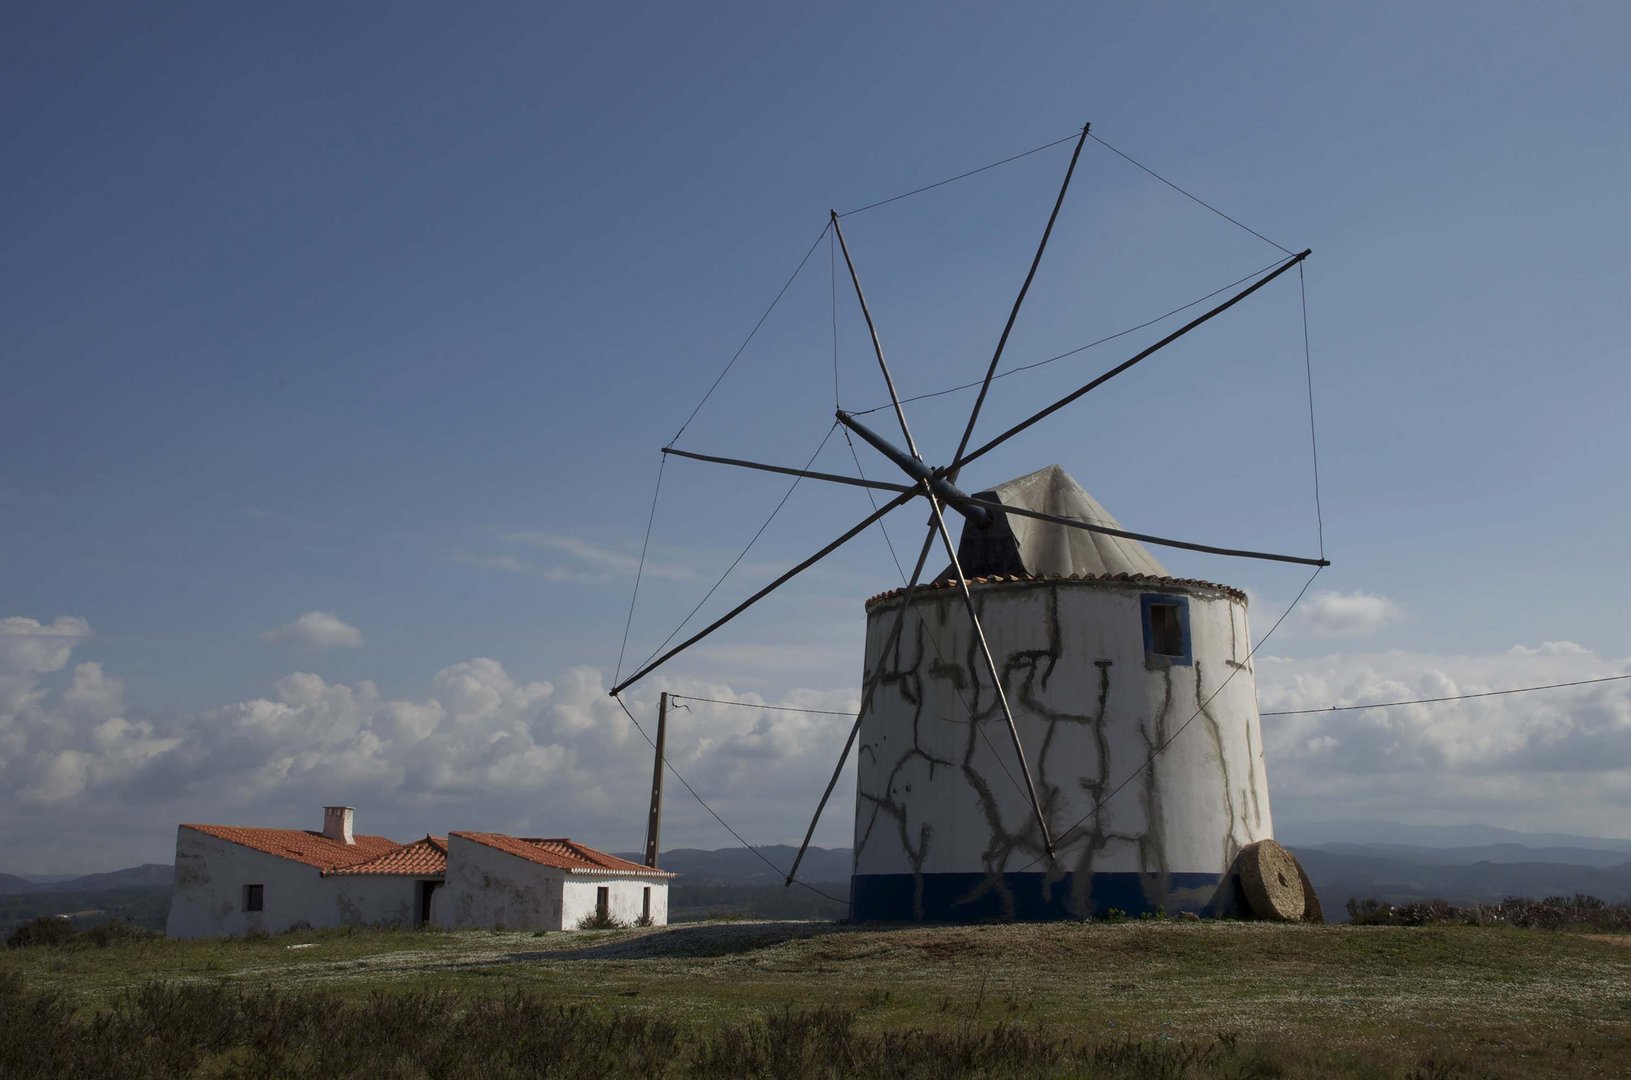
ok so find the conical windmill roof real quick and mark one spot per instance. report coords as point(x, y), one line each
point(1026, 546)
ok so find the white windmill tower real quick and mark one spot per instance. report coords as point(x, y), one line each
point(1020, 715)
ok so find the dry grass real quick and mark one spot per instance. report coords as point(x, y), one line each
point(1333, 1000)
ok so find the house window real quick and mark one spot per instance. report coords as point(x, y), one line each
point(254, 897)
point(603, 902)
point(1166, 630)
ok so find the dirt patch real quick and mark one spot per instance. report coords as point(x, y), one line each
point(1622, 940)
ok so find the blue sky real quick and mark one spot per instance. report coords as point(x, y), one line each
point(385, 313)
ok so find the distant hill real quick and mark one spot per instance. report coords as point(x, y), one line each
point(148, 875)
point(1495, 853)
point(1339, 876)
point(1468, 864)
point(12, 885)
point(1324, 833)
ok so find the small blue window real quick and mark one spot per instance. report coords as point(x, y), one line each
point(1166, 630)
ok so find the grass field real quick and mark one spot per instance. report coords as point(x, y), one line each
point(1198, 999)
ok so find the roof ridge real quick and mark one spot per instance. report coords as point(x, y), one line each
point(561, 853)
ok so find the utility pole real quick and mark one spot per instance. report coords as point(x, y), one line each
point(655, 822)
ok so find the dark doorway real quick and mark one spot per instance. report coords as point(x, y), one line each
point(427, 889)
point(603, 903)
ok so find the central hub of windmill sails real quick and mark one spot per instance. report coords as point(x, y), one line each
point(914, 467)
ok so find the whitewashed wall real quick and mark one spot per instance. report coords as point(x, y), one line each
point(490, 888)
point(209, 893)
point(626, 898)
point(937, 795)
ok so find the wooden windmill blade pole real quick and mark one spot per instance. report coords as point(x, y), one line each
point(1003, 508)
point(1119, 368)
point(938, 485)
point(850, 534)
point(996, 675)
point(877, 485)
point(1002, 342)
point(877, 346)
point(866, 702)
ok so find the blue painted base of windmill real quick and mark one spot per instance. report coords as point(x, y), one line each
point(980, 897)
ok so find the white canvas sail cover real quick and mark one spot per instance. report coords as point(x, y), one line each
point(1019, 545)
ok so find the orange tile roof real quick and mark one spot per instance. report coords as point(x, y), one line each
point(303, 845)
point(422, 858)
point(562, 854)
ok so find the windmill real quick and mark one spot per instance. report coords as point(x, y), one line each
point(1185, 616)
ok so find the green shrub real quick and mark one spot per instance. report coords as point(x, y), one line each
point(1579, 912)
point(601, 920)
point(51, 930)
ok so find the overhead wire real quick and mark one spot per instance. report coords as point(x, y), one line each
point(960, 176)
point(734, 562)
point(1186, 194)
point(714, 813)
point(755, 705)
point(639, 573)
point(1313, 438)
point(1447, 697)
point(1080, 348)
point(741, 348)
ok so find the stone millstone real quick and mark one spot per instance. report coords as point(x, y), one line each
point(1312, 912)
point(1272, 881)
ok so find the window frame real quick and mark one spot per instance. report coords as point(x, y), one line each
point(254, 897)
point(1152, 658)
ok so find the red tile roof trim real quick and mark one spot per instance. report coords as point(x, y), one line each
point(367, 855)
point(422, 858)
point(562, 854)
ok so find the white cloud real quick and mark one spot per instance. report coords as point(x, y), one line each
point(1336, 614)
point(593, 562)
point(316, 630)
point(1550, 759)
point(87, 782)
point(81, 779)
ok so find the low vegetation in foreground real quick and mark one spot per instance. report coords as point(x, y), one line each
point(1140, 999)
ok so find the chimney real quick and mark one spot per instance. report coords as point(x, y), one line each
point(337, 823)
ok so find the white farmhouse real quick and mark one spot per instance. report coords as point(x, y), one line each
point(495, 880)
point(233, 881)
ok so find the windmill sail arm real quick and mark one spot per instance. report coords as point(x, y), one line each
point(996, 675)
point(1035, 418)
point(1146, 538)
point(866, 703)
point(877, 346)
point(850, 534)
point(1013, 315)
point(834, 478)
